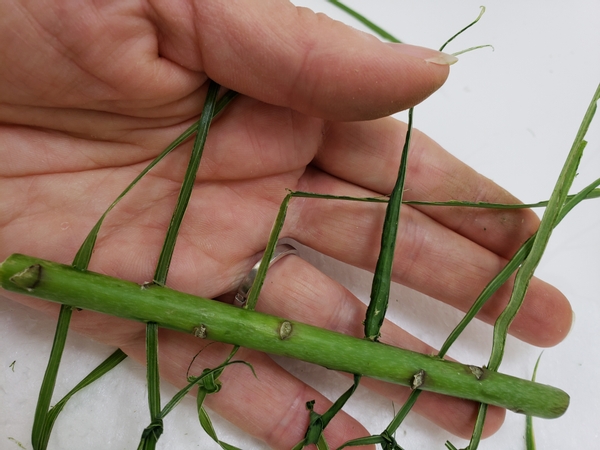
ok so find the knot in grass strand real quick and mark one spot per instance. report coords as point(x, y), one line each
point(154, 430)
point(209, 383)
point(315, 427)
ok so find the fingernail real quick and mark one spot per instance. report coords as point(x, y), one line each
point(426, 54)
point(572, 322)
point(443, 59)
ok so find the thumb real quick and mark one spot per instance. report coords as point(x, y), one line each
point(288, 56)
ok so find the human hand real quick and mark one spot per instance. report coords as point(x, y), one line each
point(91, 104)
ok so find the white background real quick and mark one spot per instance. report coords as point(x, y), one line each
point(512, 114)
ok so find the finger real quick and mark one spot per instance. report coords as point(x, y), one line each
point(289, 56)
point(429, 257)
point(368, 154)
point(295, 289)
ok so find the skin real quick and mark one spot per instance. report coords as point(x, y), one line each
point(90, 93)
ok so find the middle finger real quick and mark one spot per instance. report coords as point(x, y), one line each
point(429, 257)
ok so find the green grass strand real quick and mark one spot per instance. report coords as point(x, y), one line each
point(380, 289)
point(551, 216)
point(362, 19)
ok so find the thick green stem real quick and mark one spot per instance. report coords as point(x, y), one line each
point(224, 323)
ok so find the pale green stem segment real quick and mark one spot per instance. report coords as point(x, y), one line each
point(523, 277)
point(380, 289)
point(270, 334)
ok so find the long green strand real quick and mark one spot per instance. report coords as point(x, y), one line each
point(41, 426)
point(380, 31)
point(525, 273)
point(529, 434)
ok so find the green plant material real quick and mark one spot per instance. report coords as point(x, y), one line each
point(381, 32)
point(228, 324)
point(207, 426)
point(403, 412)
point(209, 383)
point(589, 195)
point(164, 260)
point(384, 439)
point(380, 289)
point(529, 435)
point(268, 254)
point(549, 220)
point(152, 433)
point(318, 422)
point(551, 216)
point(470, 49)
point(18, 444)
point(464, 29)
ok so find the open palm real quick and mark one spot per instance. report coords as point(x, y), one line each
point(90, 94)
